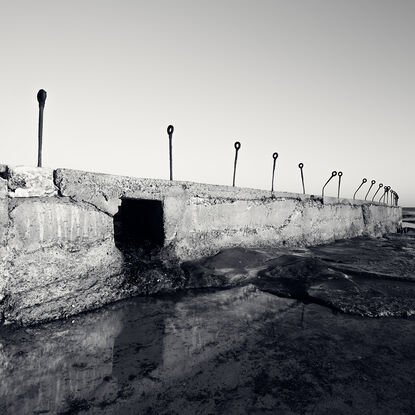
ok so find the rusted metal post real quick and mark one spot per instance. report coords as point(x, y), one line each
point(340, 174)
point(386, 188)
point(41, 98)
point(237, 146)
point(361, 184)
point(274, 156)
point(387, 194)
point(380, 186)
point(333, 174)
point(301, 165)
point(170, 131)
point(371, 185)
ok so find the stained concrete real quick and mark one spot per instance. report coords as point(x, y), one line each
point(59, 256)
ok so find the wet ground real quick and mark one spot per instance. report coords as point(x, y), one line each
point(323, 330)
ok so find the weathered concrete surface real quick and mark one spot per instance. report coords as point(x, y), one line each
point(60, 259)
point(26, 181)
point(4, 217)
point(201, 219)
point(57, 247)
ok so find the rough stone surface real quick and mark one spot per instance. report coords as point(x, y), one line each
point(57, 246)
point(42, 222)
point(204, 226)
point(4, 215)
point(200, 219)
point(104, 190)
point(60, 259)
point(26, 181)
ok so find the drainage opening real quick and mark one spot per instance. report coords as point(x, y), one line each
point(139, 223)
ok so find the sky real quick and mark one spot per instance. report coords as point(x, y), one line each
point(328, 83)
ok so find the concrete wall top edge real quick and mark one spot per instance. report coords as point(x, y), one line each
point(126, 186)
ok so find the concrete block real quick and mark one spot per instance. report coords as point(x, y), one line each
point(4, 211)
point(41, 222)
point(26, 181)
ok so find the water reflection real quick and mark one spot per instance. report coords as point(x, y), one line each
point(131, 346)
point(234, 351)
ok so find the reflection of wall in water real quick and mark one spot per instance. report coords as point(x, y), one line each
point(57, 364)
point(210, 324)
point(138, 348)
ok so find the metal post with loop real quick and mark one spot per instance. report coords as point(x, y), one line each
point(392, 192)
point(170, 131)
point(387, 193)
point(392, 197)
point(301, 165)
point(41, 98)
point(385, 189)
point(380, 186)
point(333, 174)
point(340, 174)
point(361, 184)
point(274, 156)
point(237, 146)
point(396, 199)
point(371, 185)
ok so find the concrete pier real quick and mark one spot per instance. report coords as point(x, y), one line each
point(61, 232)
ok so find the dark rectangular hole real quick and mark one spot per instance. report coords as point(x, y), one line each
point(139, 222)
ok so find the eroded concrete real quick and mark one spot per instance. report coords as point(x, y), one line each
point(59, 256)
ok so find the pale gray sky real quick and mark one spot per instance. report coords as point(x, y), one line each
point(325, 82)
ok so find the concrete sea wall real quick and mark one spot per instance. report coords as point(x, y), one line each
point(61, 251)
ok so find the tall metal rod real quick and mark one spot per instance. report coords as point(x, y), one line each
point(361, 184)
point(371, 185)
point(237, 146)
point(41, 98)
point(340, 174)
point(385, 189)
point(333, 174)
point(301, 165)
point(387, 193)
point(274, 156)
point(170, 131)
point(380, 186)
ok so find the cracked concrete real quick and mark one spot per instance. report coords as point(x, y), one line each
point(57, 247)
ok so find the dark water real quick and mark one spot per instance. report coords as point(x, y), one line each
point(324, 330)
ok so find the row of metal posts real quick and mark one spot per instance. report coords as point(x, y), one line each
point(394, 197)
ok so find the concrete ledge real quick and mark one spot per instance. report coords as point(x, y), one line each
point(58, 238)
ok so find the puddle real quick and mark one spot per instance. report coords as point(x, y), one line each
point(292, 336)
